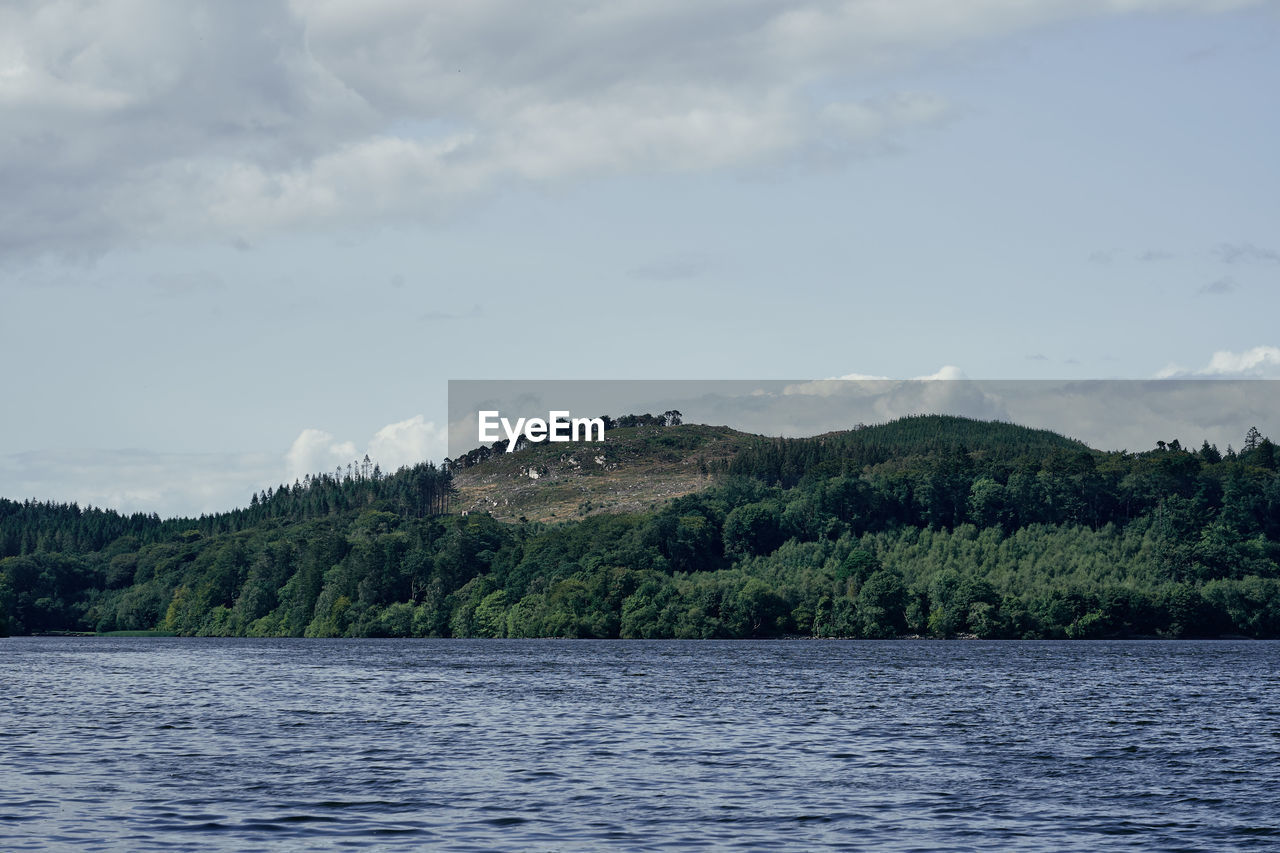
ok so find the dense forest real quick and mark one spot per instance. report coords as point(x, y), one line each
point(930, 526)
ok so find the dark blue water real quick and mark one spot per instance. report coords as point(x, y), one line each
point(144, 744)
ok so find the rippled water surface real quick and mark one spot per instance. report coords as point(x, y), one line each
point(143, 744)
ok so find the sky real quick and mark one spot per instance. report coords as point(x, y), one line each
point(243, 241)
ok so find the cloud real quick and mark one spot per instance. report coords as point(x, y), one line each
point(124, 124)
point(115, 117)
point(188, 484)
point(436, 316)
point(181, 283)
point(804, 408)
point(408, 443)
point(1258, 362)
point(947, 372)
point(140, 481)
point(315, 451)
point(1218, 287)
point(1246, 253)
point(672, 268)
point(865, 383)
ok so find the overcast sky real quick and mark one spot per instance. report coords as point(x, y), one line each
point(240, 241)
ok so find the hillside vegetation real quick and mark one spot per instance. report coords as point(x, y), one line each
point(930, 526)
point(635, 469)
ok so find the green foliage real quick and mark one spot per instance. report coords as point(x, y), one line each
point(882, 606)
point(752, 530)
point(931, 526)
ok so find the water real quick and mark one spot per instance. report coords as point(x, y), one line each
point(146, 744)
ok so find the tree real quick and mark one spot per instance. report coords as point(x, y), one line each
point(1265, 454)
point(491, 612)
point(857, 567)
point(988, 503)
point(882, 603)
point(754, 610)
point(752, 529)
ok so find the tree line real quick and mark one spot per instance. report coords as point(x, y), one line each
point(930, 526)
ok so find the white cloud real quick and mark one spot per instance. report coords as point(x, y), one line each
point(315, 451)
point(145, 119)
point(866, 384)
point(408, 443)
point(850, 383)
point(877, 399)
point(140, 481)
point(1262, 362)
point(1253, 362)
point(188, 484)
point(948, 372)
point(853, 377)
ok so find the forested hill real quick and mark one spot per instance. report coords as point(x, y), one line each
point(917, 435)
point(909, 439)
point(926, 526)
point(28, 527)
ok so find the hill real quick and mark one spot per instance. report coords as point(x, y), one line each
point(635, 469)
point(640, 467)
point(926, 526)
point(905, 442)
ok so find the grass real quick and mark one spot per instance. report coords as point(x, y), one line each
point(635, 469)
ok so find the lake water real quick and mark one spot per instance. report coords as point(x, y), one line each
point(146, 744)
